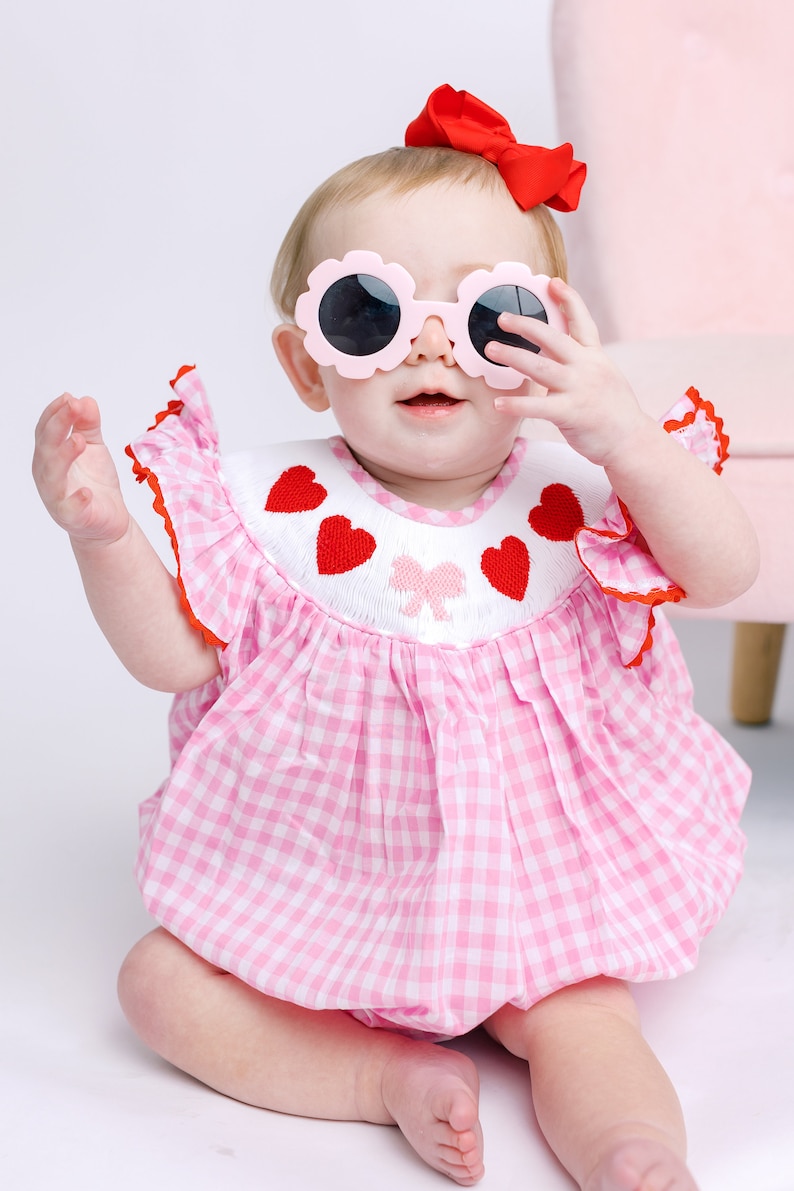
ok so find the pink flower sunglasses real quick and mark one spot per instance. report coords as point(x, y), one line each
point(360, 315)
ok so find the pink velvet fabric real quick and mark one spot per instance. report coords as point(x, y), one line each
point(684, 114)
point(684, 240)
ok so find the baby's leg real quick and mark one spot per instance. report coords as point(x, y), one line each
point(605, 1105)
point(276, 1055)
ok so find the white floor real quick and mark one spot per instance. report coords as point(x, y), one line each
point(85, 1106)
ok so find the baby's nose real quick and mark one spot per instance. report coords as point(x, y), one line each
point(432, 343)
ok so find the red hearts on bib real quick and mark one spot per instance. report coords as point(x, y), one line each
point(341, 548)
point(295, 491)
point(559, 514)
point(506, 567)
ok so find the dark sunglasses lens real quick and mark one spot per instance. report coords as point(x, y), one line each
point(483, 327)
point(359, 315)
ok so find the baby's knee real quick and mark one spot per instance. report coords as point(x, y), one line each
point(599, 999)
point(601, 994)
point(144, 981)
point(516, 1029)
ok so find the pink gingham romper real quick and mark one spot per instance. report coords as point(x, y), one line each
point(450, 761)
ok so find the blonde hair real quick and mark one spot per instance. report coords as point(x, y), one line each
point(396, 171)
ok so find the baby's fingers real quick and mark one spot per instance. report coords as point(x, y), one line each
point(58, 448)
point(55, 450)
point(581, 326)
point(55, 423)
point(64, 414)
point(547, 368)
point(74, 511)
point(57, 444)
point(86, 419)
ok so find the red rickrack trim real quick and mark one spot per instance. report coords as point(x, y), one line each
point(142, 474)
point(650, 599)
point(646, 645)
point(669, 595)
point(716, 422)
point(173, 407)
point(182, 372)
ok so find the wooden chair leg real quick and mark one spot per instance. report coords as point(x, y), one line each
point(756, 659)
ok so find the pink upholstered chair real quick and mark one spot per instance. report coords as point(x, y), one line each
point(684, 246)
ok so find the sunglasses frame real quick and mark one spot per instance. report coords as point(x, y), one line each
point(414, 313)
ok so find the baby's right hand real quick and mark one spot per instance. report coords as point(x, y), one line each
point(75, 474)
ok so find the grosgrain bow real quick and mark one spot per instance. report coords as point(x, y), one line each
point(531, 173)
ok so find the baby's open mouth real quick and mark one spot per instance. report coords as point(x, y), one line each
point(431, 399)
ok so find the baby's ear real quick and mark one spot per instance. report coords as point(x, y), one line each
point(301, 369)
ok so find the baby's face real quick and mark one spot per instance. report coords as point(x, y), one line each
point(426, 418)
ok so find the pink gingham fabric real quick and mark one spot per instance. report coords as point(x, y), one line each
point(423, 821)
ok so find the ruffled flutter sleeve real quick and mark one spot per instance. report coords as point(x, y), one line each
point(216, 560)
point(615, 553)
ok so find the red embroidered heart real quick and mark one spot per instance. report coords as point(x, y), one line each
point(559, 514)
point(295, 491)
point(506, 567)
point(341, 548)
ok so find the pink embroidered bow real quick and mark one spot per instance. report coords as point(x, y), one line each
point(428, 587)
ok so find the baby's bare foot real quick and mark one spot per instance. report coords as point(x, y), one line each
point(432, 1094)
point(641, 1165)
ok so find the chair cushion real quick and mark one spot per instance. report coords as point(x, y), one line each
point(749, 379)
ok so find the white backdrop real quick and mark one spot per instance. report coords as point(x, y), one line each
point(153, 153)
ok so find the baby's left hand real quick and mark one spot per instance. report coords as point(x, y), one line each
point(690, 520)
point(587, 397)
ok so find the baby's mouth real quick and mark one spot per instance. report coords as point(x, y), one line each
point(432, 400)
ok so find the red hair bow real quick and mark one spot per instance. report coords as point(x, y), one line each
point(531, 173)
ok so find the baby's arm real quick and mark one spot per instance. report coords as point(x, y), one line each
point(134, 598)
point(695, 528)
